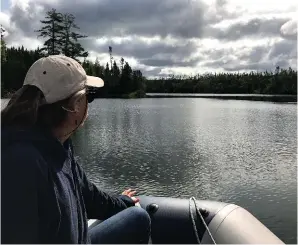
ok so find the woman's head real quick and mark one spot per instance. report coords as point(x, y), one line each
point(54, 96)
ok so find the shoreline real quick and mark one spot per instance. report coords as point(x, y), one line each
point(250, 97)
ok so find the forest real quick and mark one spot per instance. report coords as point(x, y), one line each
point(281, 81)
point(61, 35)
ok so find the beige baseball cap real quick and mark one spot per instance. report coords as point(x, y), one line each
point(59, 76)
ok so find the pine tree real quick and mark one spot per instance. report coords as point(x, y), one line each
point(71, 45)
point(122, 64)
point(88, 67)
point(66, 35)
point(138, 81)
point(3, 46)
point(98, 69)
point(115, 77)
point(106, 77)
point(115, 70)
point(111, 55)
point(126, 85)
point(3, 57)
point(77, 51)
point(107, 73)
point(52, 32)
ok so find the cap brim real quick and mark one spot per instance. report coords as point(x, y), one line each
point(96, 82)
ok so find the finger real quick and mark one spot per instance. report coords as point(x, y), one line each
point(132, 193)
point(129, 191)
point(126, 191)
point(135, 199)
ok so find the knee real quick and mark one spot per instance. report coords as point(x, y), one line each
point(140, 217)
point(139, 223)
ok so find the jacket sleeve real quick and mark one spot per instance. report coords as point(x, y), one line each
point(99, 204)
point(19, 196)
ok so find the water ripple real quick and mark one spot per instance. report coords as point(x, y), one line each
point(242, 152)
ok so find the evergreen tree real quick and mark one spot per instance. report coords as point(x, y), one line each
point(111, 55)
point(17, 59)
point(78, 51)
point(98, 70)
point(3, 51)
point(138, 81)
point(122, 64)
point(52, 31)
point(126, 85)
point(3, 46)
point(115, 77)
point(88, 67)
point(115, 70)
point(70, 39)
point(66, 35)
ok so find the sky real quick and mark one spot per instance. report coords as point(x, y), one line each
point(164, 37)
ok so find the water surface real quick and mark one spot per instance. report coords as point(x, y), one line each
point(243, 152)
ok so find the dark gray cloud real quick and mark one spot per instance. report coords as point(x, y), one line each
point(232, 66)
point(219, 12)
point(282, 53)
point(255, 27)
point(24, 22)
point(141, 49)
point(255, 55)
point(176, 18)
point(168, 62)
point(179, 18)
point(285, 48)
point(224, 58)
point(259, 66)
point(157, 53)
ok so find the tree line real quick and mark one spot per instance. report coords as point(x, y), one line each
point(281, 81)
point(61, 36)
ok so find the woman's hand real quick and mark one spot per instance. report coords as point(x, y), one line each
point(131, 194)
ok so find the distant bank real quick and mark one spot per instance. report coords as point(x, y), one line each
point(255, 97)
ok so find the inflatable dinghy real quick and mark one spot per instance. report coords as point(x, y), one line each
point(183, 221)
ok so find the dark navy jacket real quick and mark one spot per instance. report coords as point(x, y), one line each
point(45, 195)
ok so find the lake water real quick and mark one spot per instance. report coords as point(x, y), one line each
point(243, 152)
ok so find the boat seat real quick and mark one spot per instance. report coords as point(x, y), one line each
point(93, 222)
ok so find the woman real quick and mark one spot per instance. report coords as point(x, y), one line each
point(45, 195)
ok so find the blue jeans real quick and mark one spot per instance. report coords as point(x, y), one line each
point(132, 225)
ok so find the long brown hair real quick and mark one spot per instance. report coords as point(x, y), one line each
point(27, 109)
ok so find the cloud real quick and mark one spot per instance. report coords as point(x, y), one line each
point(143, 47)
point(167, 62)
point(154, 52)
point(256, 28)
point(285, 49)
point(289, 29)
point(133, 17)
point(171, 36)
point(280, 52)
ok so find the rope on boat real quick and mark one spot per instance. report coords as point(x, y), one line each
point(202, 219)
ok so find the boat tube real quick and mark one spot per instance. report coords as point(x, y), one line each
point(190, 221)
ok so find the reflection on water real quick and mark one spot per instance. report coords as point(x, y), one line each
point(242, 152)
point(234, 151)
